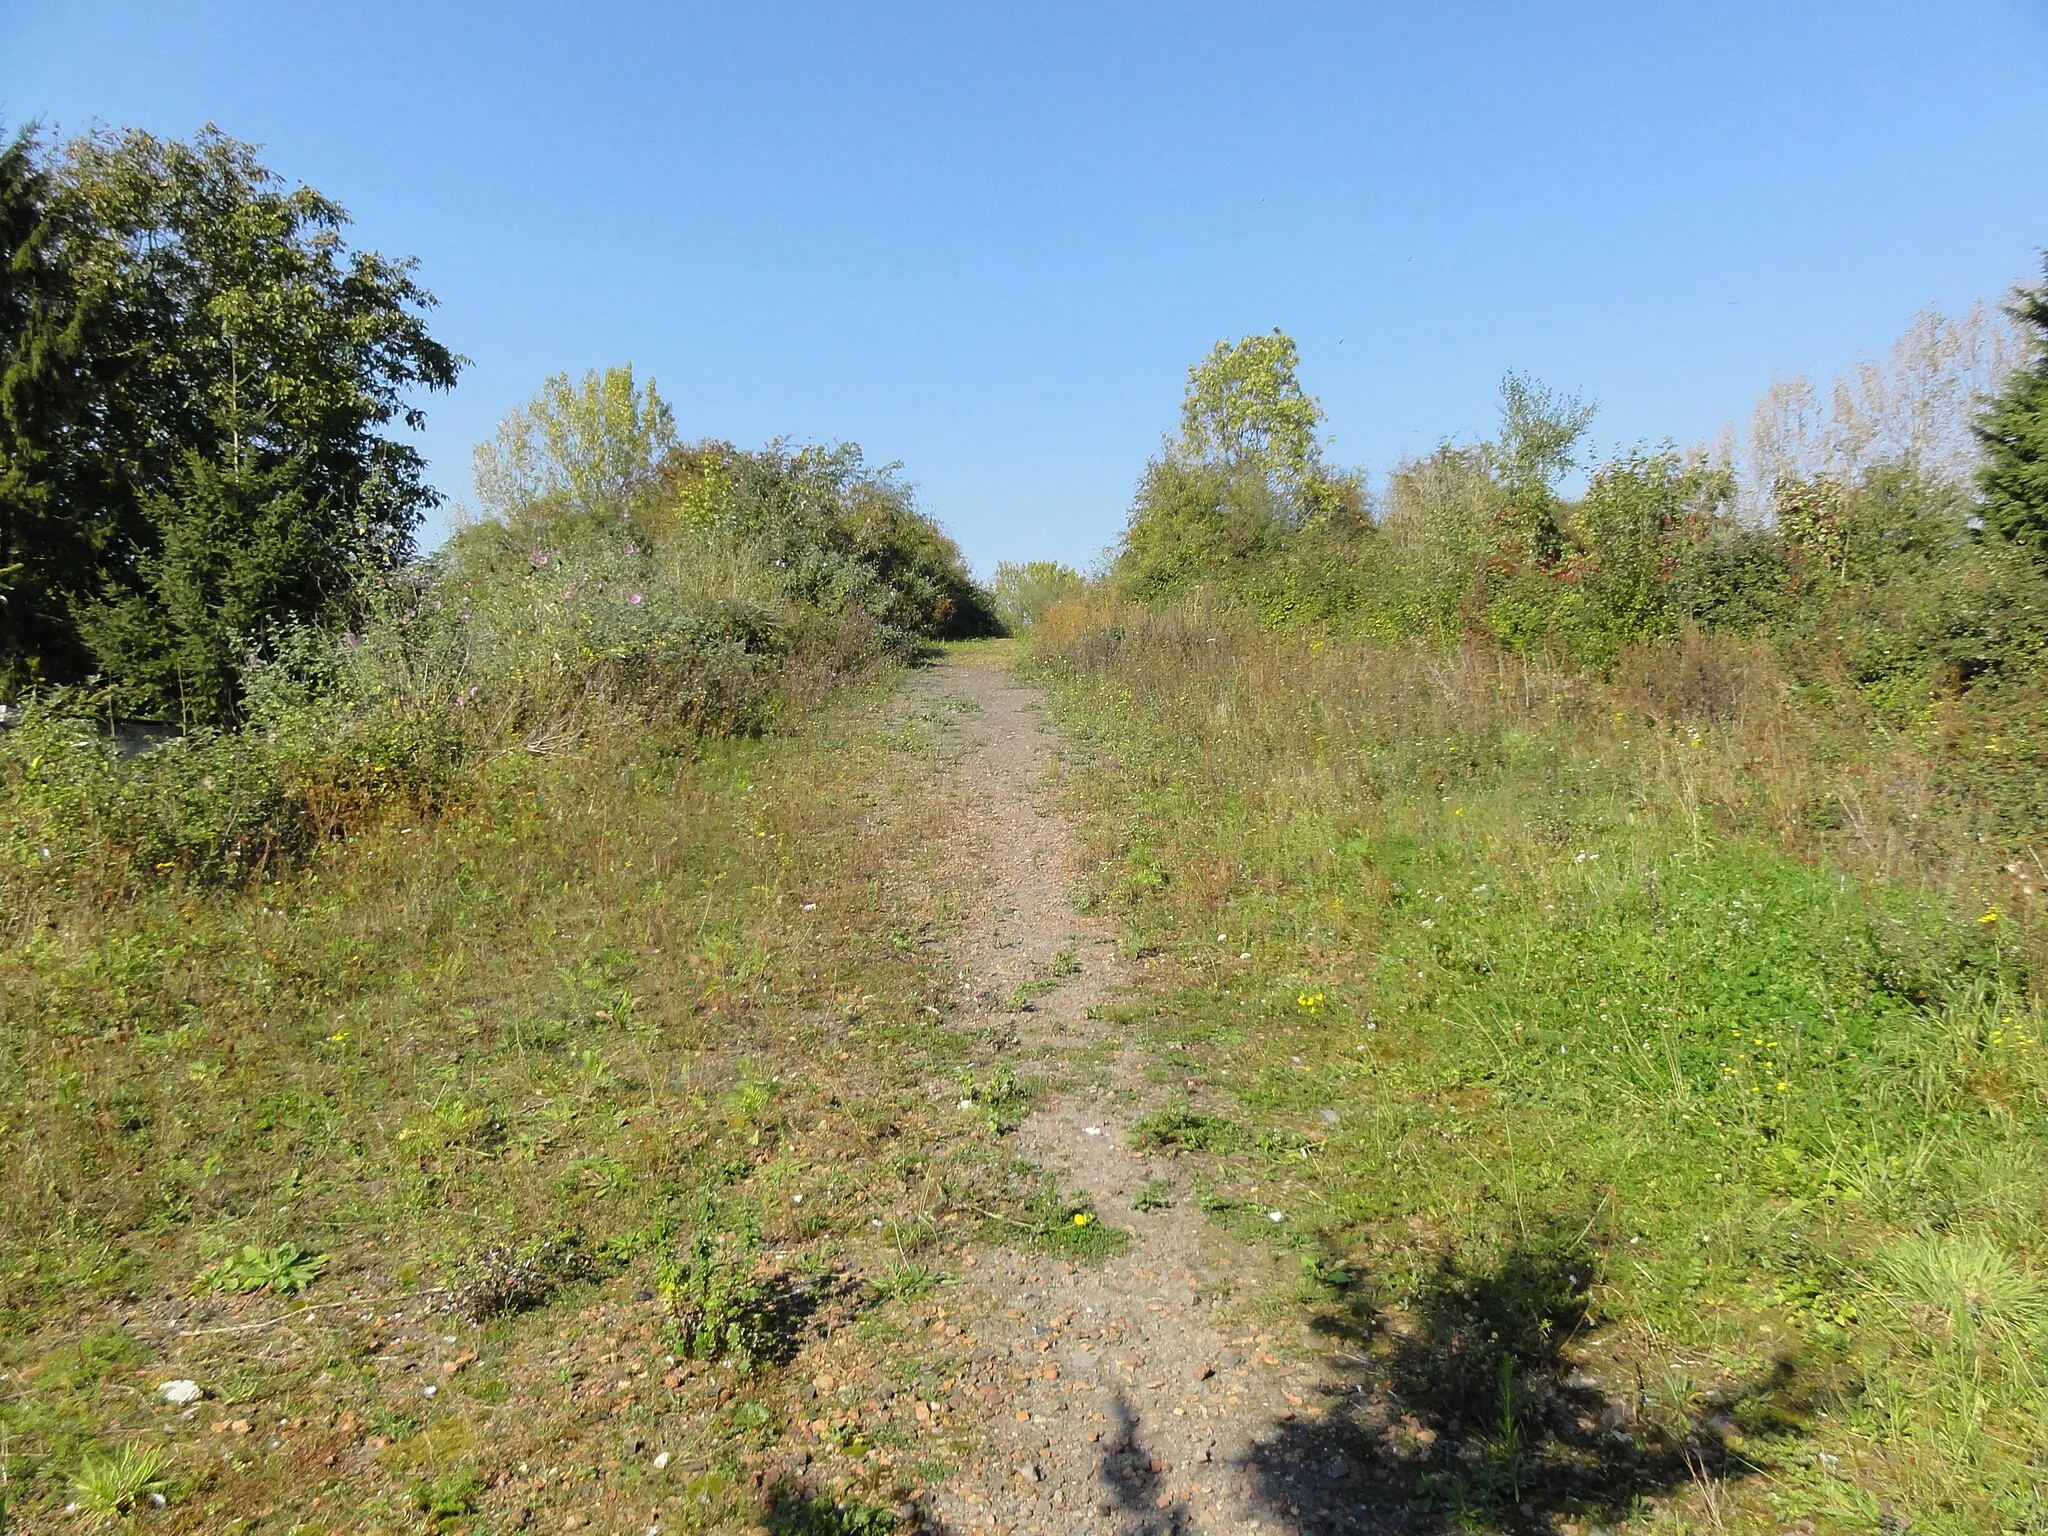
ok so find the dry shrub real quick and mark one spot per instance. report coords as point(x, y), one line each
point(1699, 677)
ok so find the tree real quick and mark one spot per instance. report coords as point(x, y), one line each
point(1540, 430)
point(2013, 428)
point(590, 447)
point(46, 550)
point(1246, 412)
point(1023, 592)
point(1245, 472)
point(233, 366)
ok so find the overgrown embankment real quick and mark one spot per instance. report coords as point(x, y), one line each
point(498, 1166)
point(1600, 1042)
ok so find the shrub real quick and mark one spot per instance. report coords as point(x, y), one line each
point(1023, 593)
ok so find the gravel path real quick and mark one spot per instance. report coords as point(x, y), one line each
point(1125, 1396)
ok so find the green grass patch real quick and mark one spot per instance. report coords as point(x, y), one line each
point(1539, 1024)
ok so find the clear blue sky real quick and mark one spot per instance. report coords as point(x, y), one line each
point(987, 241)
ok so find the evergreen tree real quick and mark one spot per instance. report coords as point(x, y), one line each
point(192, 353)
point(2014, 431)
point(51, 536)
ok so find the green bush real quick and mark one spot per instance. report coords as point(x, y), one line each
point(1022, 593)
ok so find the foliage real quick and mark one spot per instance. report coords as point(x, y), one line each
point(1021, 593)
point(1245, 412)
point(284, 1270)
point(109, 1486)
point(1245, 474)
point(717, 1309)
point(1848, 543)
point(822, 529)
point(1540, 431)
point(198, 379)
point(728, 589)
point(2014, 432)
point(590, 448)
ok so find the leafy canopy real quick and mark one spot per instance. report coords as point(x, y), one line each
point(199, 377)
point(586, 447)
point(1246, 411)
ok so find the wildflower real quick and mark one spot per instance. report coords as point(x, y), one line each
point(632, 549)
point(636, 599)
point(1310, 1001)
point(1989, 917)
point(1082, 1218)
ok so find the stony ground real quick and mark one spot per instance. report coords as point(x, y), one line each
point(1126, 1395)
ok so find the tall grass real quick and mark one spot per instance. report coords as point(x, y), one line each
point(1666, 960)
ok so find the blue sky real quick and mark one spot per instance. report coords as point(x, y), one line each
point(988, 241)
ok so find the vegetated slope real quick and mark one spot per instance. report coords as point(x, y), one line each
point(1590, 1066)
point(622, 1060)
point(541, 953)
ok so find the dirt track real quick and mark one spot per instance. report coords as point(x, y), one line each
point(1130, 1396)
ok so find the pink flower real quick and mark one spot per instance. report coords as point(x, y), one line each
point(636, 599)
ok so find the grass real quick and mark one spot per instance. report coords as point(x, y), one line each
point(1593, 1049)
point(110, 1486)
point(393, 1153)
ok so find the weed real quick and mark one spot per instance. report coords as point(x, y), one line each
point(808, 1515)
point(449, 1496)
point(284, 1270)
point(1153, 1195)
point(1080, 1234)
point(716, 1308)
point(505, 1278)
point(1178, 1128)
point(998, 1100)
point(1966, 1285)
point(906, 1281)
point(110, 1485)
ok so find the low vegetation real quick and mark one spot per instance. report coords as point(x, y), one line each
point(1617, 996)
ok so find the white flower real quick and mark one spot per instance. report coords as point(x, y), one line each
point(1276, 1215)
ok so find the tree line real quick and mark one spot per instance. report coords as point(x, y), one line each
point(203, 394)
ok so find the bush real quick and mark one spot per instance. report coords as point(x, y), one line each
point(1023, 593)
point(729, 587)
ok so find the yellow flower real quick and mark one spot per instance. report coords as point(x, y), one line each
point(1082, 1218)
point(1990, 916)
point(1310, 1001)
